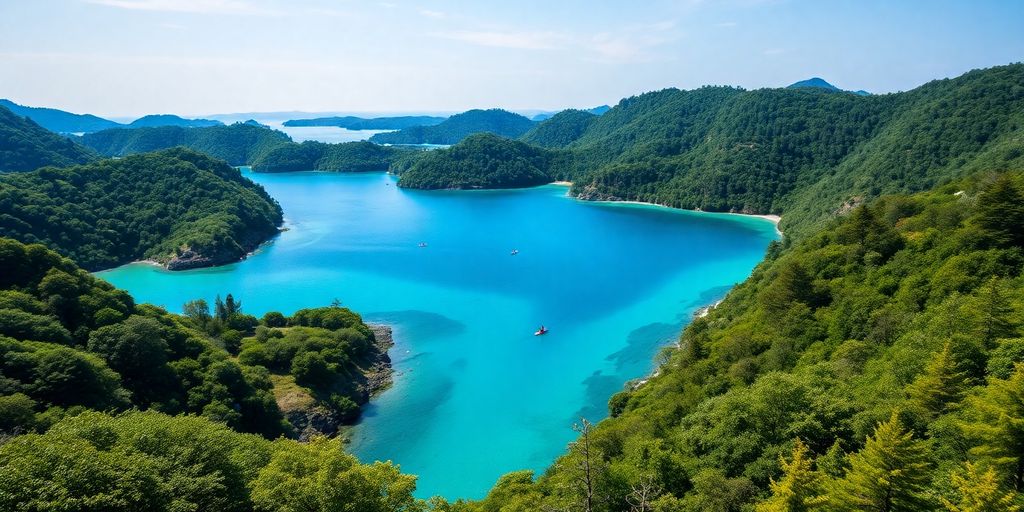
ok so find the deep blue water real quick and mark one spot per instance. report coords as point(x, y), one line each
point(476, 394)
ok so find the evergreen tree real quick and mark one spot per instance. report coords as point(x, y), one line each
point(995, 312)
point(220, 310)
point(940, 386)
point(997, 423)
point(890, 474)
point(1001, 212)
point(799, 489)
point(980, 491)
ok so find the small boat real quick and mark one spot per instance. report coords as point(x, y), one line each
point(422, 244)
point(542, 331)
point(514, 252)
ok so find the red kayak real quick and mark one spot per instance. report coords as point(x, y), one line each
point(541, 331)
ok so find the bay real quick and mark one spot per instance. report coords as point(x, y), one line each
point(476, 394)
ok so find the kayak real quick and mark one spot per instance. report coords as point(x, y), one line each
point(540, 332)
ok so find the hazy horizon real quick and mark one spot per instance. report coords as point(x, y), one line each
point(128, 58)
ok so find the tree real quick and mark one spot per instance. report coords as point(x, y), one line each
point(995, 312)
point(1001, 212)
point(320, 476)
point(198, 311)
point(800, 487)
point(940, 386)
point(980, 491)
point(890, 474)
point(996, 422)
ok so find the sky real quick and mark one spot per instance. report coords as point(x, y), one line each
point(124, 58)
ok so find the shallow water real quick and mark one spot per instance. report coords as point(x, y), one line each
point(476, 394)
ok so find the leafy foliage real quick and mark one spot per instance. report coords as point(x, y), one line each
point(157, 206)
point(150, 461)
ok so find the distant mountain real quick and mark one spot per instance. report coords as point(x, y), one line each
point(154, 120)
point(58, 120)
point(818, 83)
point(26, 146)
point(460, 126)
point(362, 123)
point(544, 116)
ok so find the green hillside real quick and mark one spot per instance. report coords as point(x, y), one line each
point(177, 207)
point(58, 120)
point(888, 341)
point(318, 156)
point(483, 160)
point(560, 130)
point(237, 144)
point(26, 146)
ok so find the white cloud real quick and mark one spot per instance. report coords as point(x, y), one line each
point(517, 40)
point(188, 6)
point(432, 14)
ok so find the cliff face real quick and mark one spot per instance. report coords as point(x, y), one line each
point(310, 418)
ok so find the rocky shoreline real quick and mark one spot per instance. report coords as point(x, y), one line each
point(312, 419)
point(190, 259)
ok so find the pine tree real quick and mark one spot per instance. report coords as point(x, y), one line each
point(890, 474)
point(997, 423)
point(980, 491)
point(940, 386)
point(995, 312)
point(1001, 212)
point(799, 489)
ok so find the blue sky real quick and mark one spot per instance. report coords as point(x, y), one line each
point(132, 57)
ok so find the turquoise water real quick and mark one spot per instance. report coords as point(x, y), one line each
point(476, 394)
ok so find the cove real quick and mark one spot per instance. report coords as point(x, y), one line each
point(476, 394)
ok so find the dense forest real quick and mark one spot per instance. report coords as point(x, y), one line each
point(373, 123)
point(319, 156)
point(237, 144)
point(460, 126)
point(877, 364)
point(176, 207)
point(58, 120)
point(806, 153)
point(482, 160)
point(26, 146)
point(79, 360)
point(560, 130)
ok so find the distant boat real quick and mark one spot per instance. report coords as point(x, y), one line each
point(514, 252)
point(542, 331)
point(422, 244)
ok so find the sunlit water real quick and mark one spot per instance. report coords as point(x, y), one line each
point(476, 394)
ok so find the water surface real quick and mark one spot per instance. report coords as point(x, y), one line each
point(476, 394)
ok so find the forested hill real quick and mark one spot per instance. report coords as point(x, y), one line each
point(177, 207)
point(560, 129)
point(59, 120)
point(25, 146)
point(482, 160)
point(458, 127)
point(373, 123)
point(319, 156)
point(805, 153)
point(875, 365)
point(237, 144)
point(80, 360)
